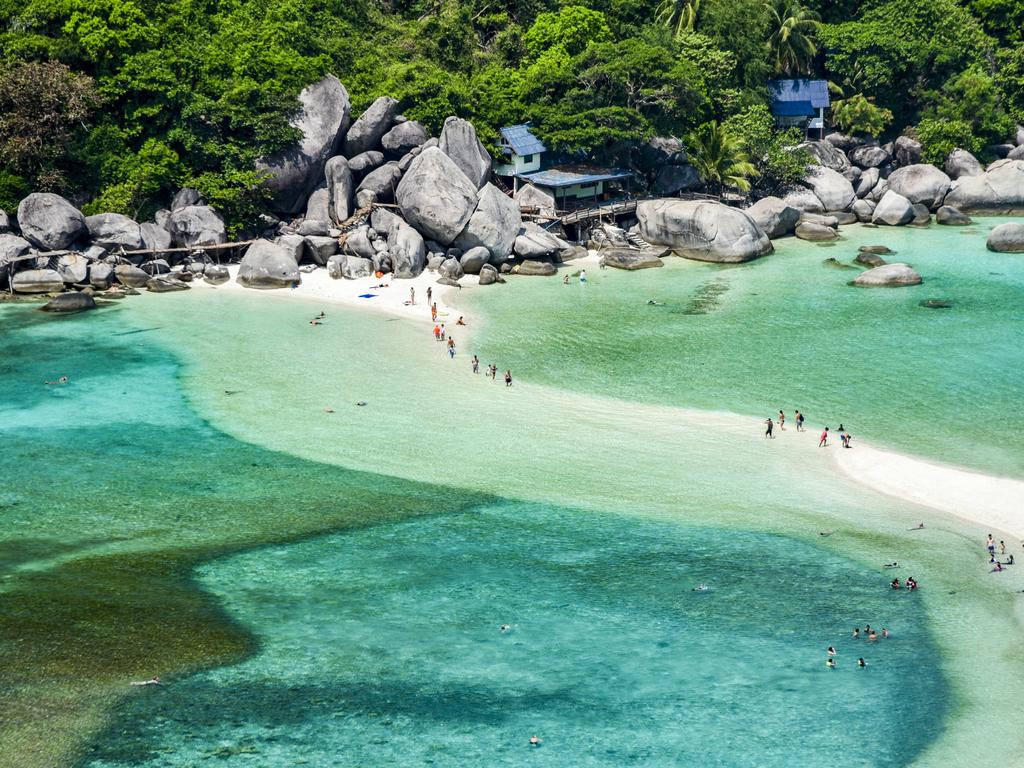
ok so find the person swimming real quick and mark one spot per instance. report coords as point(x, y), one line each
point(861, 662)
point(830, 663)
point(856, 632)
point(151, 681)
point(893, 564)
point(831, 651)
point(700, 588)
point(534, 741)
point(895, 584)
point(653, 303)
point(61, 380)
point(505, 627)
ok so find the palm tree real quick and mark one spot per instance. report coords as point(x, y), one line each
point(791, 44)
point(678, 15)
point(720, 157)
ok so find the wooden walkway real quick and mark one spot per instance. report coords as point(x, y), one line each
point(598, 211)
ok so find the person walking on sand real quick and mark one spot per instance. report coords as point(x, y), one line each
point(768, 432)
point(442, 331)
point(412, 296)
point(433, 308)
point(991, 545)
point(583, 276)
point(476, 364)
point(508, 378)
point(782, 421)
point(799, 422)
point(437, 332)
point(823, 441)
point(451, 348)
point(430, 293)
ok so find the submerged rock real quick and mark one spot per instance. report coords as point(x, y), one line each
point(936, 304)
point(836, 264)
point(621, 258)
point(951, 217)
point(815, 232)
point(1006, 238)
point(869, 259)
point(69, 302)
point(889, 275)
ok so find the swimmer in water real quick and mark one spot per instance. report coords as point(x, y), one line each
point(61, 380)
point(534, 741)
point(700, 588)
point(151, 681)
point(893, 564)
point(861, 663)
point(653, 303)
point(505, 627)
point(830, 663)
point(885, 632)
point(565, 280)
point(831, 651)
point(825, 533)
point(856, 632)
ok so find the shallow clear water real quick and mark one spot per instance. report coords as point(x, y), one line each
point(786, 332)
point(383, 647)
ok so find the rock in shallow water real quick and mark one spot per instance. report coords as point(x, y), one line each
point(700, 230)
point(1006, 238)
point(621, 258)
point(69, 302)
point(889, 275)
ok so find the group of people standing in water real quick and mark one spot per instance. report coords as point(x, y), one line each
point(769, 432)
point(869, 634)
point(441, 335)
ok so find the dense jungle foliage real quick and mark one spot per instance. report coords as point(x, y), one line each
point(116, 103)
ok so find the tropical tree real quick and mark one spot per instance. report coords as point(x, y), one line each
point(678, 15)
point(859, 114)
point(720, 157)
point(791, 45)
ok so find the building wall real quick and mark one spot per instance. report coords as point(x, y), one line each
point(576, 191)
point(518, 165)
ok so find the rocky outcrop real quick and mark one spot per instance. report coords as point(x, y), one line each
point(358, 243)
point(533, 198)
point(72, 267)
point(5, 223)
point(11, 248)
point(535, 242)
point(923, 184)
point(622, 258)
point(844, 143)
point(774, 216)
point(494, 224)
point(319, 249)
point(863, 210)
point(999, 190)
point(408, 253)
point(295, 171)
point(131, 276)
point(318, 206)
point(960, 163)
point(827, 155)
point(893, 209)
point(473, 260)
point(379, 185)
point(888, 275)
point(833, 190)
point(536, 267)
point(154, 237)
point(404, 138)
point(50, 222)
point(349, 267)
point(69, 302)
point(950, 216)
point(458, 140)
point(185, 197)
point(266, 265)
point(112, 230)
point(673, 179)
point(869, 157)
point(196, 225)
point(1006, 238)
point(37, 281)
point(701, 230)
point(803, 200)
point(809, 230)
point(435, 196)
point(365, 133)
point(101, 275)
point(866, 182)
point(364, 162)
point(907, 151)
point(216, 274)
point(340, 189)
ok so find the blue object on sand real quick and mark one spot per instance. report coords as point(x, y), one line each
point(367, 295)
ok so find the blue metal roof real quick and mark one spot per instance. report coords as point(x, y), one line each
point(792, 108)
point(521, 141)
point(800, 91)
point(555, 178)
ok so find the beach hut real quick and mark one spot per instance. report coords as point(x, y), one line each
point(800, 103)
point(573, 187)
point(521, 151)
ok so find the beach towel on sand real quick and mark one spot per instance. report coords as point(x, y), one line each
point(367, 295)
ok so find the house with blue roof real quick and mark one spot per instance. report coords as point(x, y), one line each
point(522, 149)
point(800, 103)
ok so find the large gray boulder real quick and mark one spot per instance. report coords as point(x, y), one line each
point(474, 259)
point(1017, 153)
point(408, 252)
point(702, 230)
point(216, 274)
point(960, 163)
point(907, 151)
point(358, 243)
point(131, 276)
point(673, 179)
point(536, 268)
point(1006, 238)
point(318, 207)
point(101, 275)
point(73, 267)
point(11, 248)
point(888, 275)
point(451, 268)
point(815, 232)
point(774, 216)
point(1018, 135)
point(50, 222)
point(185, 197)
point(999, 190)
point(366, 132)
point(349, 267)
point(340, 189)
point(384, 222)
point(488, 275)
point(535, 242)
point(630, 260)
point(827, 155)
point(379, 185)
point(869, 157)
point(843, 142)
point(878, 190)
point(319, 249)
point(154, 237)
point(832, 188)
point(866, 182)
point(951, 217)
point(659, 151)
point(803, 200)
point(435, 196)
point(113, 230)
point(323, 118)
point(494, 224)
point(5, 222)
point(364, 162)
point(533, 198)
point(196, 225)
point(458, 140)
point(893, 209)
point(920, 183)
point(293, 245)
point(863, 210)
point(37, 281)
point(266, 265)
point(404, 138)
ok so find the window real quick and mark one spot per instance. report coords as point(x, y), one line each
point(527, 158)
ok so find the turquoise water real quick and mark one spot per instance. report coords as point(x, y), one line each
point(327, 589)
point(787, 332)
point(383, 648)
